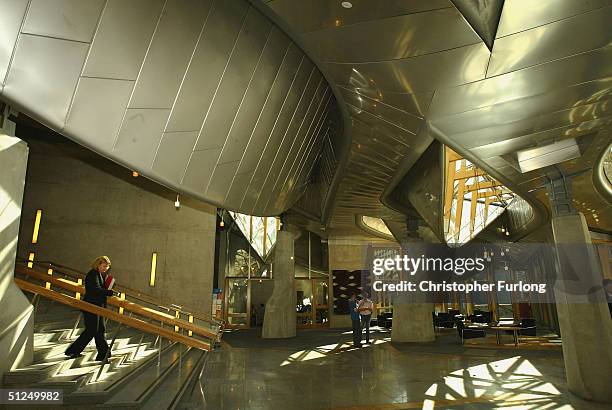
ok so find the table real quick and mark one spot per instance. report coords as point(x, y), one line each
point(515, 329)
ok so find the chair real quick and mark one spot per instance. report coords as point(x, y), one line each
point(467, 333)
point(443, 320)
point(385, 320)
point(528, 327)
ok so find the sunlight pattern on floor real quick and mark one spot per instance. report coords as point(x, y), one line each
point(509, 383)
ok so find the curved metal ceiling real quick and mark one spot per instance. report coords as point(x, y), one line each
point(207, 97)
point(409, 71)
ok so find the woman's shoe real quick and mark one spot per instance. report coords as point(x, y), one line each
point(73, 355)
point(101, 358)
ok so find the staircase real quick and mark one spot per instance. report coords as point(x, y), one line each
point(157, 354)
point(144, 371)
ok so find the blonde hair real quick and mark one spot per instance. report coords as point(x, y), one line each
point(100, 259)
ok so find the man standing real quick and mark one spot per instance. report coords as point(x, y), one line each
point(365, 311)
point(355, 320)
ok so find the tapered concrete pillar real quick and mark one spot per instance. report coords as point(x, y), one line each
point(280, 317)
point(584, 321)
point(412, 320)
point(16, 315)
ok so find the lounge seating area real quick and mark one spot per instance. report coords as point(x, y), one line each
point(481, 323)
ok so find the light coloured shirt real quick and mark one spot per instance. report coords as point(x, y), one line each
point(366, 303)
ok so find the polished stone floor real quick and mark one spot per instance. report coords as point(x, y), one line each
point(320, 370)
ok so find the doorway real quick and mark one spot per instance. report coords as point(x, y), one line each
point(312, 303)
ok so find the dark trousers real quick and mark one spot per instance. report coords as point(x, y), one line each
point(94, 329)
point(356, 332)
point(365, 323)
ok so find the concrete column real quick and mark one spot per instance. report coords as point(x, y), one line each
point(412, 322)
point(586, 327)
point(16, 315)
point(280, 317)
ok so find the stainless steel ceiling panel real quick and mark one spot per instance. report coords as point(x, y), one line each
point(281, 89)
point(12, 13)
point(173, 153)
point(415, 104)
point(389, 113)
point(520, 15)
point(169, 52)
point(567, 37)
point(239, 183)
point(140, 135)
point(256, 96)
point(496, 133)
point(320, 14)
point(260, 152)
point(398, 137)
point(319, 131)
point(558, 99)
point(219, 184)
point(97, 111)
point(204, 73)
point(227, 79)
point(292, 135)
point(122, 38)
point(235, 81)
point(303, 138)
point(392, 38)
point(580, 68)
point(304, 172)
point(524, 141)
point(201, 165)
point(48, 91)
point(423, 73)
point(276, 134)
point(68, 19)
point(293, 167)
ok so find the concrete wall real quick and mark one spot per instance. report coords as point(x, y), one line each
point(16, 318)
point(344, 254)
point(93, 207)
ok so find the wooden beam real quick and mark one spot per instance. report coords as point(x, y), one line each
point(494, 193)
point(470, 173)
point(482, 185)
point(486, 209)
point(449, 189)
point(452, 156)
point(459, 209)
point(474, 204)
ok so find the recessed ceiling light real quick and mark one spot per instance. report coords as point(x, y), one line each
point(346, 4)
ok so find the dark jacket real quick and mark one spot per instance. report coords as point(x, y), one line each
point(95, 292)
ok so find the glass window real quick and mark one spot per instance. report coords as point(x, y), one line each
point(259, 231)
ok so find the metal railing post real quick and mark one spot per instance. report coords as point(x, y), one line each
point(135, 355)
point(74, 328)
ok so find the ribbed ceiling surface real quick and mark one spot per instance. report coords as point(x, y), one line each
point(400, 65)
point(207, 97)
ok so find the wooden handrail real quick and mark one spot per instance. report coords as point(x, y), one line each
point(134, 293)
point(109, 314)
point(115, 301)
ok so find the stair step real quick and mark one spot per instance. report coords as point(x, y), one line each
point(99, 392)
point(169, 391)
point(28, 376)
point(133, 392)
